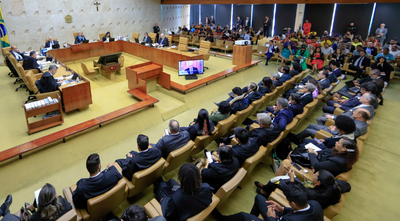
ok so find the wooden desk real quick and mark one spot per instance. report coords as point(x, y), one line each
point(87, 46)
point(108, 70)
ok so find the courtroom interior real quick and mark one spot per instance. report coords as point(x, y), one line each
point(139, 110)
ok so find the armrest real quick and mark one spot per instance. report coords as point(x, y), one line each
point(234, 142)
point(68, 196)
point(38, 76)
point(254, 126)
point(153, 208)
point(338, 111)
point(322, 134)
point(329, 122)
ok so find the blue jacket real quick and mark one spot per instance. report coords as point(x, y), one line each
point(283, 118)
point(337, 72)
point(296, 109)
point(352, 102)
point(285, 77)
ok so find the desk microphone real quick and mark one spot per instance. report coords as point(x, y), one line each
point(63, 64)
point(76, 67)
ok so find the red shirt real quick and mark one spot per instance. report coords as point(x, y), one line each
point(307, 28)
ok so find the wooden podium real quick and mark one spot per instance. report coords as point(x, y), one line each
point(242, 54)
point(108, 70)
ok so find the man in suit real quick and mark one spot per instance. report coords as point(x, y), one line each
point(275, 80)
point(381, 33)
point(17, 53)
point(359, 63)
point(30, 63)
point(191, 69)
point(286, 74)
point(207, 21)
point(246, 147)
point(185, 29)
point(137, 161)
point(267, 25)
point(295, 104)
point(323, 79)
point(253, 94)
point(137, 213)
point(50, 43)
point(367, 100)
point(173, 141)
point(238, 22)
point(212, 20)
point(147, 39)
point(283, 115)
point(335, 65)
point(163, 41)
point(47, 83)
point(344, 91)
point(79, 38)
point(99, 182)
point(331, 77)
point(370, 49)
point(246, 24)
point(238, 103)
point(267, 132)
point(307, 97)
point(156, 30)
point(300, 209)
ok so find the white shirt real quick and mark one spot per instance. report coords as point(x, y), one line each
point(17, 55)
point(395, 53)
point(327, 51)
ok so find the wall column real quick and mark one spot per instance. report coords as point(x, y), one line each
point(299, 16)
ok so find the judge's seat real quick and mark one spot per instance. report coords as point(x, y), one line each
point(90, 73)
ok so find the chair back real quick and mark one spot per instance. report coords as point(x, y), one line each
point(69, 216)
point(169, 37)
point(227, 189)
point(204, 214)
point(204, 47)
point(256, 105)
point(268, 98)
point(229, 43)
point(54, 39)
point(302, 115)
point(5, 50)
point(85, 69)
point(290, 127)
point(195, 39)
point(223, 126)
point(75, 35)
point(365, 136)
point(21, 70)
point(153, 36)
point(177, 157)
point(252, 161)
point(121, 60)
point(273, 144)
point(182, 47)
point(135, 35)
point(219, 43)
point(105, 203)
point(278, 90)
point(332, 210)
point(183, 40)
point(311, 105)
point(102, 35)
point(260, 50)
point(241, 116)
point(200, 143)
point(184, 33)
point(145, 178)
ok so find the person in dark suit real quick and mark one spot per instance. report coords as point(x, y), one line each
point(384, 67)
point(238, 22)
point(212, 20)
point(156, 30)
point(283, 116)
point(323, 79)
point(370, 49)
point(286, 74)
point(137, 161)
point(335, 65)
point(266, 26)
point(147, 39)
point(275, 79)
point(184, 200)
point(17, 53)
point(174, 140)
point(191, 69)
point(107, 37)
point(185, 29)
point(359, 63)
point(50, 43)
point(224, 167)
point(47, 83)
point(266, 86)
point(209, 38)
point(246, 24)
point(307, 97)
point(252, 93)
point(137, 213)
point(98, 183)
point(267, 131)
point(238, 103)
point(246, 147)
point(79, 38)
point(300, 209)
point(163, 41)
point(30, 62)
point(331, 77)
point(295, 104)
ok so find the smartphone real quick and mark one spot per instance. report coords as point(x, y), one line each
point(167, 191)
point(319, 142)
point(297, 166)
point(166, 131)
point(209, 157)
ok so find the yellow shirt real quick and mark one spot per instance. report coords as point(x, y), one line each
point(323, 42)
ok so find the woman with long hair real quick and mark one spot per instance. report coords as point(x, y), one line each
point(317, 60)
point(286, 52)
point(106, 38)
point(303, 54)
point(337, 56)
point(201, 125)
point(267, 86)
point(318, 88)
point(385, 68)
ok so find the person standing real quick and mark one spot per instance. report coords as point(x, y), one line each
point(238, 22)
point(246, 24)
point(381, 33)
point(306, 27)
point(156, 30)
point(267, 25)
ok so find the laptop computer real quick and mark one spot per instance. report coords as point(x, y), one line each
point(85, 41)
point(73, 79)
point(136, 40)
point(352, 87)
point(112, 39)
point(56, 46)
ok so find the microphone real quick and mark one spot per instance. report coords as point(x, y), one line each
point(63, 64)
point(76, 67)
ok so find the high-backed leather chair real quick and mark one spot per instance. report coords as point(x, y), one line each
point(218, 44)
point(35, 93)
point(76, 34)
point(68, 196)
point(169, 37)
point(251, 162)
point(200, 40)
point(194, 40)
point(101, 36)
point(101, 205)
point(90, 73)
point(223, 126)
point(227, 189)
point(256, 105)
point(204, 50)
point(135, 35)
point(54, 39)
point(241, 116)
point(153, 36)
point(177, 157)
point(4, 51)
point(141, 180)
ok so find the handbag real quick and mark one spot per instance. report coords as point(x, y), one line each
point(300, 156)
point(25, 214)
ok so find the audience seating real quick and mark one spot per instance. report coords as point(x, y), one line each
point(153, 37)
point(255, 106)
point(251, 162)
point(135, 35)
point(227, 46)
point(268, 98)
point(141, 180)
point(218, 44)
point(259, 52)
point(69, 216)
point(224, 126)
point(241, 116)
point(195, 40)
point(227, 189)
point(200, 40)
point(178, 157)
point(201, 142)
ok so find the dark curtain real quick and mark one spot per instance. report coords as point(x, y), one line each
point(194, 14)
point(320, 16)
point(259, 13)
point(387, 13)
point(360, 14)
point(206, 10)
point(285, 17)
point(223, 15)
point(241, 11)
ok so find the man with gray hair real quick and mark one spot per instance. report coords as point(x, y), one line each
point(275, 79)
point(283, 116)
point(163, 41)
point(147, 39)
point(381, 33)
point(307, 96)
point(47, 83)
point(30, 63)
point(174, 140)
point(267, 132)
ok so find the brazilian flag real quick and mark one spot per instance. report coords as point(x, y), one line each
point(3, 32)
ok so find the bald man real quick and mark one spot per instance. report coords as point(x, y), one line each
point(50, 43)
point(163, 41)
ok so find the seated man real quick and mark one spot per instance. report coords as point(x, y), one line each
point(283, 115)
point(50, 43)
point(335, 65)
point(163, 41)
point(389, 57)
point(137, 161)
point(295, 104)
point(99, 182)
point(79, 38)
point(252, 93)
point(30, 63)
point(323, 79)
point(395, 51)
point(359, 63)
point(17, 53)
point(173, 141)
point(147, 39)
point(137, 213)
point(359, 48)
point(331, 77)
point(238, 103)
point(275, 80)
point(267, 132)
point(224, 111)
point(327, 50)
point(370, 49)
point(368, 100)
point(47, 83)
point(247, 146)
point(360, 116)
point(306, 96)
point(286, 74)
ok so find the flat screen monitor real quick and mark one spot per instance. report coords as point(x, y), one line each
point(111, 58)
point(191, 68)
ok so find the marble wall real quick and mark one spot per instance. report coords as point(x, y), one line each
point(30, 22)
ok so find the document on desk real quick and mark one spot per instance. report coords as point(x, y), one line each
point(312, 146)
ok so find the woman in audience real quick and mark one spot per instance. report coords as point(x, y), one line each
point(51, 206)
point(356, 42)
point(303, 54)
point(384, 67)
point(337, 56)
point(317, 60)
point(184, 200)
point(224, 111)
point(267, 86)
point(201, 125)
point(325, 190)
point(224, 167)
point(179, 32)
point(318, 88)
point(286, 52)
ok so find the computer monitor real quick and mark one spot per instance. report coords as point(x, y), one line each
point(191, 68)
point(111, 58)
point(85, 41)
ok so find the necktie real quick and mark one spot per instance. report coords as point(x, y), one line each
point(18, 55)
point(359, 61)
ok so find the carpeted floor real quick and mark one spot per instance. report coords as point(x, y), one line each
point(374, 194)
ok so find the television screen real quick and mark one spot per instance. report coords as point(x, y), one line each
point(191, 67)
